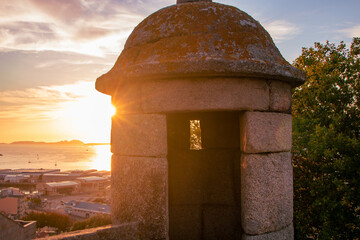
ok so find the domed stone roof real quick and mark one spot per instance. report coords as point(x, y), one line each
point(198, 39)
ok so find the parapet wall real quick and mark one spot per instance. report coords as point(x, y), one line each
point(117, 232)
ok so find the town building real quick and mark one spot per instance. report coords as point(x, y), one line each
point(16, 230)
point(12, 202)
point(93, 183)
point(86, 209)
point(81, 173)
point(56, 177)
point(14, 178)
point(30, 172)
point(57, 188)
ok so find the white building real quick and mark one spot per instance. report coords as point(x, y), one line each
point(14, 178)
point(86, 209)
point(93, 183)
point(56, 188)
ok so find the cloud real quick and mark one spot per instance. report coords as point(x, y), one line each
point(89, 27)
point(66, 10)
point(92, 33)
point(14, 8)
point(31, 69)
point(22, 33)
point(41, 103)
point(31, 104)
point(59, 112)
point(281, 30)
point(351, 32)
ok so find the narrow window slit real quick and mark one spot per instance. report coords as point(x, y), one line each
point(195, 135)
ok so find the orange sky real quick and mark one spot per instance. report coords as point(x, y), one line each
point(73, 111)
point(52, 51)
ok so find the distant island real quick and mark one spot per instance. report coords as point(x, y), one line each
point(65, 142)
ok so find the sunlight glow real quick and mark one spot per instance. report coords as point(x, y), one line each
point(102, 160)
point(88, 115)
point(112, 110)
point(55, 113)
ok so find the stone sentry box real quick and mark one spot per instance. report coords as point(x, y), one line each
point(213, 65)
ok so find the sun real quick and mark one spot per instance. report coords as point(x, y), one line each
point(87, 117)
point(112, 110)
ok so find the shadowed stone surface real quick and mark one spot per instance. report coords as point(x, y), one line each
point(139, 135)
point(206, 181)
point(284, 234)
point(211, 94)
point(280, 97)
point(139, 194)
point(186, 40)
point(266, 192)
point(187, 217)
point(219, 223)
point(263, 132)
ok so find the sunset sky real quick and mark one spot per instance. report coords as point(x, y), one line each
point(52, 51)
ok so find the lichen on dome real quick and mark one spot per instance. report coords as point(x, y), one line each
point(198, 39)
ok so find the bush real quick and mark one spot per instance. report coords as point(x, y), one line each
point(50, 219)
point(94, 221)
point(326, 143)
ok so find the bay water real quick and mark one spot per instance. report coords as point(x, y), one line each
point(55, 156)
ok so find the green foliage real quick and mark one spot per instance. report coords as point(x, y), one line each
point(195, 135)
point(50, 219)
point(36, 201)
point(94, 221)
point(326, 144)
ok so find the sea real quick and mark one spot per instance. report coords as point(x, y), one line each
point(55, 156)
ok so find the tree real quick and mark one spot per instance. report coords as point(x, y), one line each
point(326, 144)
point(50, 219)
point(94, 221)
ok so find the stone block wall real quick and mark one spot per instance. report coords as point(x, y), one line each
point(140, 153)
point(139, 173)
point(16, 230)
point(266, 169)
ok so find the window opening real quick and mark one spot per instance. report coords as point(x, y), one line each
point(195, 135)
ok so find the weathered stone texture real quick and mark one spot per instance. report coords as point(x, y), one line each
point(206, 94)
point(16, 230)
point(140, 194)
point(284, 234)
point(163, 47)
point(263, 132)
point(139, 135)
point(266, 192)
point(280, 96)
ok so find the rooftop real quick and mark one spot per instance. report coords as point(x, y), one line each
point(11, 192)
point(89, 206)
point(62, 184)
point(91, 178)
point(28, 171)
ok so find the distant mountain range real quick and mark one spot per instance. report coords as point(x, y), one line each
point(72, 142)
